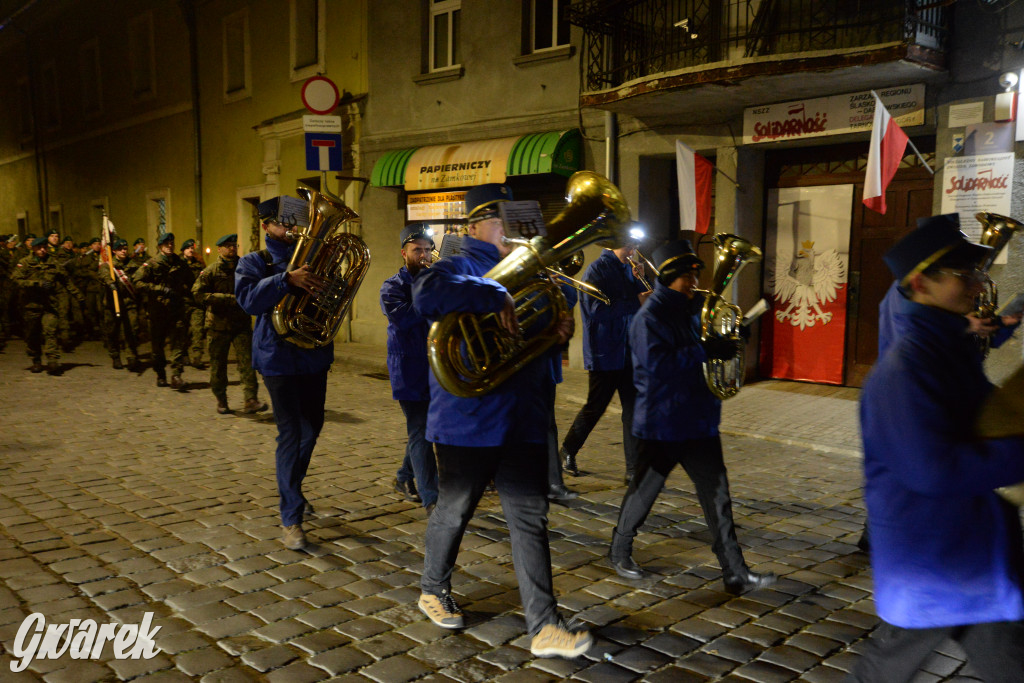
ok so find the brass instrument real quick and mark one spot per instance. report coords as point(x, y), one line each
point(340, 258)
point(637, 264)
point(470, 354)
point(564, 270)
point(996, 233)
point(721, 318)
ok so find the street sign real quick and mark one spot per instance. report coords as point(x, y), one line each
point(321, 124)
point(320, 95)
point(323, 151)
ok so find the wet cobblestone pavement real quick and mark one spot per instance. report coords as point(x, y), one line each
point(118, 498)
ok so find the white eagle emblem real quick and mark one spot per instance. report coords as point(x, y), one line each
point(805, 282)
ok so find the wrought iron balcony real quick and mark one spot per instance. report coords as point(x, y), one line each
point(626, 40)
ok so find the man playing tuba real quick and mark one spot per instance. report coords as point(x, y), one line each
point(501, 435)
point(677, 417)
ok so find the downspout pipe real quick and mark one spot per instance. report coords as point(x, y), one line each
point(611, 146)
point(188, 9)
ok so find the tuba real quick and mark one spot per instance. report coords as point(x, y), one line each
point(721, 318)
point(470, 354)
point(339, 257)
point(996, 233)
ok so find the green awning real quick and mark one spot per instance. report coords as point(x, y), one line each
point(480, 161)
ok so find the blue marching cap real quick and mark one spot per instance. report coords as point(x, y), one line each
point(417, 231)
point(267, 210)
point(935, 238)
point(166, 237)
point(227, 239)
point(39, 242)
point(482, 201)
point(674, 259)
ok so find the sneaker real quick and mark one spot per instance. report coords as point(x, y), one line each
point(294, 537)
point(441, 609)
point(556, 640)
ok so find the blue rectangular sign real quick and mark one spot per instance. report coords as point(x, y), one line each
point(323, 151)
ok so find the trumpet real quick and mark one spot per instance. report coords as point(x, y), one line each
point(997, 232)
point(637, 265)
point(563, 271)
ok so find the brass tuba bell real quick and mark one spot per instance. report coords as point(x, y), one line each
point(470, 354)
point(341, 258)
point(997, 231)
point(721, 318)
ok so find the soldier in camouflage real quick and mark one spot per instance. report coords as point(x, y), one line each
point(120, 325)
point(6, 265)
point(167, 282)
point(139, 256)
point(40, 278)
point(196, 313)
point(9, 314)
point(227, 325)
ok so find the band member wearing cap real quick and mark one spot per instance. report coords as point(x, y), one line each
point(167, 281)
point(946, 550)
point(295, 377)
point(677, 417)
point(39, 278)
point(606, 353)
point(228, 325)
point(408, 367)
point(119, 325)
point(500, 436)
point(195, 315)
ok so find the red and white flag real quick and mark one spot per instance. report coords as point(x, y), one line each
point(694, 174)
point(888, 143)
point(107, 237)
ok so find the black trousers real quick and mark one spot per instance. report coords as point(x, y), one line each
point(603, 385)
point(702, 460)
point(995, 650)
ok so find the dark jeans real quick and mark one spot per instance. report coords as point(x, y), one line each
point(995, 650)
point(702, 460)
point(298, 402)
point(554, 463)
point(519, 472)
point(603, 385)
point(419, 462)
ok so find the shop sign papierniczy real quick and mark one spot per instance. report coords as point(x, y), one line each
point(832, 115)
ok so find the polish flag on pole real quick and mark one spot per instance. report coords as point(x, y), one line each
point(693, 174)
point(888, 144)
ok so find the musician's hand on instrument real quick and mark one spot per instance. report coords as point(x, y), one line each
point(983, 327)
point(1011, 320)
point(566, 328)
point(643, 296)
point(306, 279)
point(507, 316)
point(638, 271)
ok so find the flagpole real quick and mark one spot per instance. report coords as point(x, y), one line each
point(878, 102)
point(110, 263)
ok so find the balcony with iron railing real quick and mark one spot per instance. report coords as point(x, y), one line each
point(632, 47)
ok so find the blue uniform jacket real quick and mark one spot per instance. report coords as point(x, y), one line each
point(945, 549)
point(516, 411)
point(258, 288)
point(606, 326)
point(673, 402)
point(571, 297)
point(407, 340)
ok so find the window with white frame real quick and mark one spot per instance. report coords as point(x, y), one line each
point(89, 65)
point(548, 27)
point(142, 56)
point(51, 97)
point(237, 69)
point(444, 49)
point(24, 108)
point(158, 214)
point(307, 38)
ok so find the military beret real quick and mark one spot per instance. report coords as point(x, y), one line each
point(417, 231)
point(188, 243)
point(68, 238)
point(30, 236)
point(141, 240)
point(227, 239)
point(119, 244)
point(39, 242)
point(94, 240)
point(166, 237)
point(52, 231)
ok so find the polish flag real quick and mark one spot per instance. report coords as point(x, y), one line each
point(693, 173)
point(107, 237)
point(888, 143)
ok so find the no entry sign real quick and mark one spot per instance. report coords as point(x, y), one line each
point(320, 95)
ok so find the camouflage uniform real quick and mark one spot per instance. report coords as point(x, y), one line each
point(196, 320)
point(39, 281)
point(65, 314)
point(87, 271)
point(227, 325)
point(142, 318)
point(167, 283)
point(121, 326)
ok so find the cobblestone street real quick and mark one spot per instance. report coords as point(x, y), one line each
point(119, 498)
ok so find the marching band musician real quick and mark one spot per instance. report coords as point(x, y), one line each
point(606, 353)
point(500, 436)
point(946, 550)
point(408, 366)
point(677, 417)
point(295, 377)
